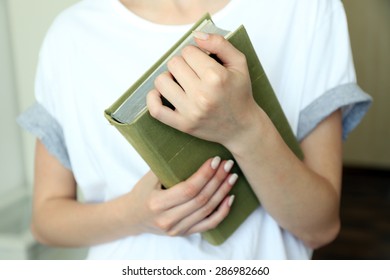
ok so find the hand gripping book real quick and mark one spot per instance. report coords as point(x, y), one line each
point(173, 155)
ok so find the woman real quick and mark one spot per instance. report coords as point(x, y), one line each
point(96, 49)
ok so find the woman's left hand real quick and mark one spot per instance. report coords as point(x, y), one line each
point(212, 100)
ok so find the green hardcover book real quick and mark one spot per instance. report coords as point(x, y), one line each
point(173, 155)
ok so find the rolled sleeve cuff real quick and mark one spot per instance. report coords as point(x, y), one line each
point(350, 98)
point(38, 121)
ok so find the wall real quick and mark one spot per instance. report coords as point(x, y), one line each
point(369, 23)
point(28, 22)
point(14, 193)
point(12, 172)
point(23, 24)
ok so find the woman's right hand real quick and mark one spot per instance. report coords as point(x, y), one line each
point(197, 204)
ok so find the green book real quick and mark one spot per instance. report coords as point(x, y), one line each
point(173, 155)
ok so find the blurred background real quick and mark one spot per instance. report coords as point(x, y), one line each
point(365, 206)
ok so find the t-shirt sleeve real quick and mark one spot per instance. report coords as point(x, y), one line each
point(43, 119)
point(37, 120)
point(350, 98)
point(331, 79)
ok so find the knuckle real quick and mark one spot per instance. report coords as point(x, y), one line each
point(215, 222)
point(173, 233)
point(219, 39)
point(207, 210)
point(173, 62)
point(163, 224)
point(188, 50)
point(201, 199)
point(153, 205)
point(159, 80)
point(215, 77)
point(191, 190)
point(155, 111)
point(241, 58)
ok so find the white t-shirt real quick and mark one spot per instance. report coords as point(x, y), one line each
point(96, 49)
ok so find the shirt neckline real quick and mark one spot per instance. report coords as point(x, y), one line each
point(145, 24)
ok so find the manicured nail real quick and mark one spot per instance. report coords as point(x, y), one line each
point(228, 165)
point(200, 35)
point(215, 162)
point(232, 179)
point(231, 200)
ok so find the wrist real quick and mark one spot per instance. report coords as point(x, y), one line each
point(126, 217)
point(250, 134)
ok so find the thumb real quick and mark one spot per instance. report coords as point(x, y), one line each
point(222, 48)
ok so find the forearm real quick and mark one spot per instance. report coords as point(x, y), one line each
point(195, 205)
point(68, 223)
point(303, 197)
point(60, 220)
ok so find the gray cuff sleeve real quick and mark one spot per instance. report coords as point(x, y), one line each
point(353, 101)
point(38, 121)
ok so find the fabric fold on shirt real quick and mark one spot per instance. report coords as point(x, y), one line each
point(350, 98)
point(38, 121)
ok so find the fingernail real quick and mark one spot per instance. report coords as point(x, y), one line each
point(200, 35)
point(232, 179)
point(231, 200)
point(215, 162)
point(228, 165)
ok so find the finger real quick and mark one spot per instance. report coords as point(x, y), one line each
point(170, 89)
point(201, 212)
point(161, 112)
point(213, 193)
point(184, 225)
point(200, 62)
point(183, 73)
point(209, 197)
point(218, 45)
point(187, 190)
point(215, 218)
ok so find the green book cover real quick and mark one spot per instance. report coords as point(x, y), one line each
point(173, 155)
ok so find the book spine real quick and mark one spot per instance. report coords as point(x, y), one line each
point(136, 135)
